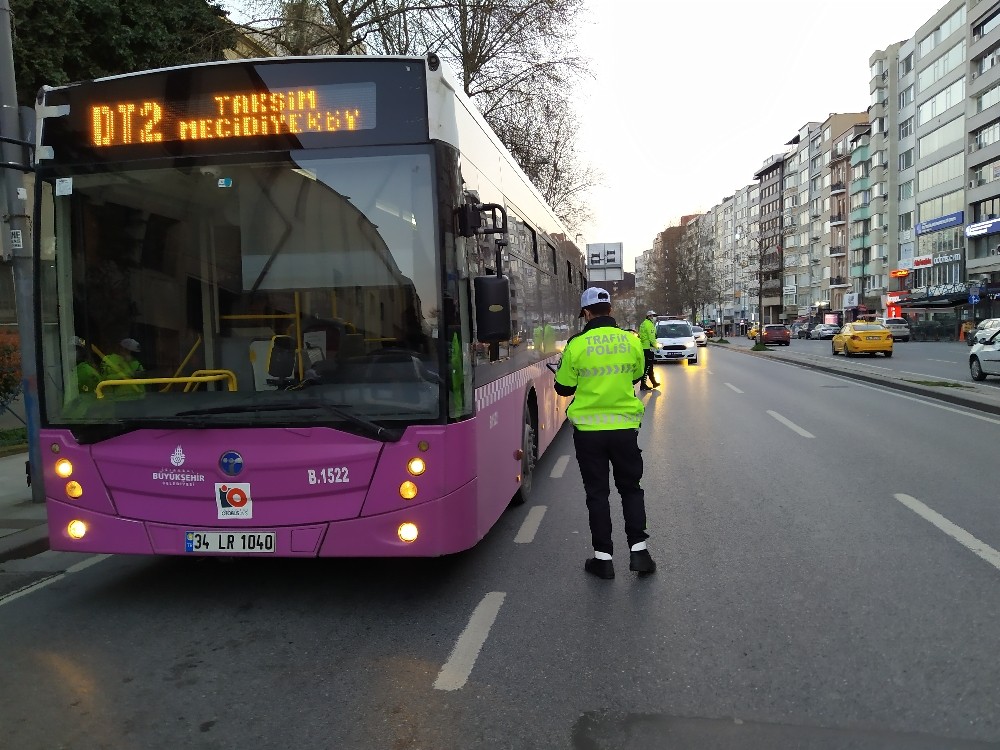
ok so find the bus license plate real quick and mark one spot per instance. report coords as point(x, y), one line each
point(229, 542)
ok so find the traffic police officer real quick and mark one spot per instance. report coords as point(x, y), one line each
point(599, 368)
point(647, 337)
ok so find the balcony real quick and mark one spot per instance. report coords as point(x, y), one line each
point(861, 242)
point(837, 187)
point(837, 153)
point(837, 219)
point(861, 183)
point(837, 251)
point(860, 154)
point(861, 213)
point(838, 281)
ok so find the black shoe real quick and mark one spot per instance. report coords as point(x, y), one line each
point(600, 568)
point(644, 387)
point(656, 383)
point(641, 562)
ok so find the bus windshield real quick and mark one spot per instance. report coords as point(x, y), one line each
point(293, 288)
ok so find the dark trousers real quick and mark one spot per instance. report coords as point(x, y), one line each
point(648, 372)
point(595, 450)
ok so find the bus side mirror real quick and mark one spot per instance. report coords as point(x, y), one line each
point(470, 220)
point(492, 308)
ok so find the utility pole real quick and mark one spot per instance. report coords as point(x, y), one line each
point(16, 241)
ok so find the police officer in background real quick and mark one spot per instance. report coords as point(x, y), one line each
point(647, 337)
point(599, 368)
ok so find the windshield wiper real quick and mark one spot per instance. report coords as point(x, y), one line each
point(370, 428)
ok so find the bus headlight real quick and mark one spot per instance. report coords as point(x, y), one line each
point(407, 490)
point(416, 466)
point(64, 468)
point(76, 529)
point(407, 532)
point(74, 489)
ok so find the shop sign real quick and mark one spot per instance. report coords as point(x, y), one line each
point(953, 258)
point(891, 298)
point(788, 290)
point(923, 261)
point(940, 290)
point(942, 222)
point(983, 228)
point(851, 299)
point(918, 292)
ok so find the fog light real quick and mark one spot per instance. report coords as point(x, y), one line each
point(423, 445)
point(408, 490)
point(76, 529)
point(73, 489)
point(64, 468)
point(416, 466)
point(407, 532)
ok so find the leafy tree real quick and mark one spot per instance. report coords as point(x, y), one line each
point(73, 40)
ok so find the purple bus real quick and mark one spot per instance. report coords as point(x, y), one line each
point(292, 307)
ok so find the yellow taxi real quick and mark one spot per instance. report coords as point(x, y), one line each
point(863, 337)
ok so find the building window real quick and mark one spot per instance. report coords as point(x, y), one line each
point(906, 65)
point(906, 190)
point(945, 135)
point(906, 128)
point(906, 96)
point(906, 221)
point(906, 159)
point(941, 67)
point(943, 100)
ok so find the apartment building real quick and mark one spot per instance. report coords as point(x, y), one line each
point(982, 231)
point(766, 249)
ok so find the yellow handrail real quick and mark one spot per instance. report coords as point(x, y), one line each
point(215, 377)
point(201, 373)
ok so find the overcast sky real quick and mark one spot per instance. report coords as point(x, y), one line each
point(689, 98)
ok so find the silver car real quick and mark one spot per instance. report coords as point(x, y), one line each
point(676, 342)
point(824, 331)
point(700, 336)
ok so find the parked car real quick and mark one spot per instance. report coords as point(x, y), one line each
point(863, 337)
point(900, 328)
point(984, 359)
point(700, 336)
point(676, 342)
point(803, 331)
point(775, 333)
point(824, 331)
point(985, 327)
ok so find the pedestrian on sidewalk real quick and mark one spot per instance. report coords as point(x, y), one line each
point(647, 337)
point(599, 369)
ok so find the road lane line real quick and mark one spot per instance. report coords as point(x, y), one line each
point(561, 463)
point(734, 387)
point(529, 527)
point(957, 533)
point(946, 361)
point(790, 425)
point(37, 585)
point(456, 670)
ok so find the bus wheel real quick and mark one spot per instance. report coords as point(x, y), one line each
point(529, 457)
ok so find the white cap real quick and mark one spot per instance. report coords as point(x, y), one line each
point(650, 313)
point(594, 295)
point(130, 345)
point(77, 341)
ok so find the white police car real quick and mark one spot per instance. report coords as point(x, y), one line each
point(676, 342)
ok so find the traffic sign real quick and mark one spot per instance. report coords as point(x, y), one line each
point(973, 299)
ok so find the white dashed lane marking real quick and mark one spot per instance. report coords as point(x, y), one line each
point(529, 527)
point(455, 672)
point(790, 424)
point(957, 533)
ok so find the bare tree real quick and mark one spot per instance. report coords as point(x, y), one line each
point(514, 58)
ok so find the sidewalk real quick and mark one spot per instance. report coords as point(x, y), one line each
point(23, 527)
point(24, 531)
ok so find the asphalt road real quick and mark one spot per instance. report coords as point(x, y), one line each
point(828, 579)
point(918, 360)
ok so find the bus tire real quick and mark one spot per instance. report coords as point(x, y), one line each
point(529, 458)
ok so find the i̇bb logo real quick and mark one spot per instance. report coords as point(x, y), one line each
point(233, 500)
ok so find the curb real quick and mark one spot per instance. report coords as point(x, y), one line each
point(958, 398)
point(27, 543)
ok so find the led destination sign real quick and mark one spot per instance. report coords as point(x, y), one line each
point(233, 114)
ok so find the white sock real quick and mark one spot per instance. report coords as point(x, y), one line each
point(602, 555)
point(638, 546)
